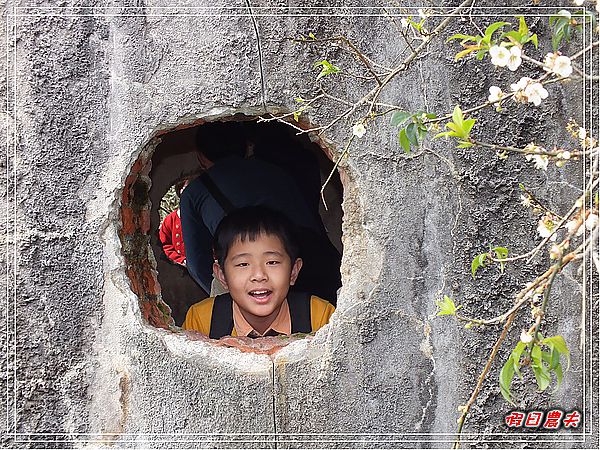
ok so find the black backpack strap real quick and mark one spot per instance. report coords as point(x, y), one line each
point(221, 321)
point(217, 194)
point(299, 303)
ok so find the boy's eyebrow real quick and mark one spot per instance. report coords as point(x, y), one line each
point(240, 255)
point(267, 253)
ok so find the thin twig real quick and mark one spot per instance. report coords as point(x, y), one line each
point(335, 166)
point(486, 369)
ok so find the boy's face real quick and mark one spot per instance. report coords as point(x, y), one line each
point(258, 275)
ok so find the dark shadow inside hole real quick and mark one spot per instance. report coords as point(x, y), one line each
point(175, 158)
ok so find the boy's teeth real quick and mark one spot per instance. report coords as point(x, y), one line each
point(259, 292)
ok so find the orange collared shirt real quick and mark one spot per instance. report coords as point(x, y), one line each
point(281, 325)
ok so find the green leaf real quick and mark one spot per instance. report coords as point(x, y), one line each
point(464, 144)
point(312, 36)
point(516, 357)
point(523, 30)
point(421, 132)
point(465, 52)
point(540, 370)
point(411, 133)
point(445, 134)
point(478, 261)
point(489, 31)
point(506, 375)
point(554, 358)
point(404, 143)
point(512, 35)
point(464, 37)
point(558, 343)
point(467, 125)
point(559, 376)
point(501, 253)
point(326, 68)
point(430, 115)
point(297, 115)
point(534, 39)
point(542, 376)
point(446, 306)
point(399, 117)
point(481, 53)
point(457, 116)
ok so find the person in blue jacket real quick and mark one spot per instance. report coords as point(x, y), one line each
point(231, 181)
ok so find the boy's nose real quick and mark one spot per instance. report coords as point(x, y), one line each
point(259, 274)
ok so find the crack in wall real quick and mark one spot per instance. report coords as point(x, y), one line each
point(260, 56)
point(274, 400)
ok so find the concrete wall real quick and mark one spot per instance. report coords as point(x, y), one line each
point(86, 95)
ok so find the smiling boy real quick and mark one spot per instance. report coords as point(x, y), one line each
point(256, 259)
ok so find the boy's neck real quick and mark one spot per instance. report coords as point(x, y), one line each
point(262, 324)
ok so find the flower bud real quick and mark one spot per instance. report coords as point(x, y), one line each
point(526, 338)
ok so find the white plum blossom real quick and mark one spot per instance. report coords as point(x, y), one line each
point(404, 22)
point(555, 252)
point(546, 226)
point(535, 93)
point(496, 95)
point(578, 2)
point(359, 130)
point(528, 90)
point(562, 158)
point(571, 226)
point(591, 222)
point(514, 59)
point(540, 161)
point(422, 14)
point(504, 57)
point(534, 153)
point(521, 84)
point(526, 338)
point(500, 55)
point(526, 200)
point(558, 64)
point(574, 225)
point(582, 133)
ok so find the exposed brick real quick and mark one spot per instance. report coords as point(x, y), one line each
point(145, 221)
point(151, 284)
point(128, 219)
point(135, 283)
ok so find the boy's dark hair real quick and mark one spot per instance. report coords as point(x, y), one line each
point(219, 140)
point(249, 223)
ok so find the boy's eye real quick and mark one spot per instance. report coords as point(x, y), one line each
point(272, 263)
point(242, 264)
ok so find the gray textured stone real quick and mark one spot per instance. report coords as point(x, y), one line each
point(92, 90)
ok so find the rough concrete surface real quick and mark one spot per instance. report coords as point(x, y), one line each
point(90, 84)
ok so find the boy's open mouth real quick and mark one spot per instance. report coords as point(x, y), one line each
point(260, 295)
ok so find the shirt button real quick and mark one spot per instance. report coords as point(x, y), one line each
point(176, 234)
point(176, 226)
point(177, 243)
point(179, 251)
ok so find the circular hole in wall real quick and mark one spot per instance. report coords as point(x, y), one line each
point(164, 288)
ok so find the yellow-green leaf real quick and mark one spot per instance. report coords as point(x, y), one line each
point(446, 307)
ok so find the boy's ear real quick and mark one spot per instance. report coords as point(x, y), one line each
point(219, 274)
point(295, 271)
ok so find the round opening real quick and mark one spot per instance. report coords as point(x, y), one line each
point(163, 285)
